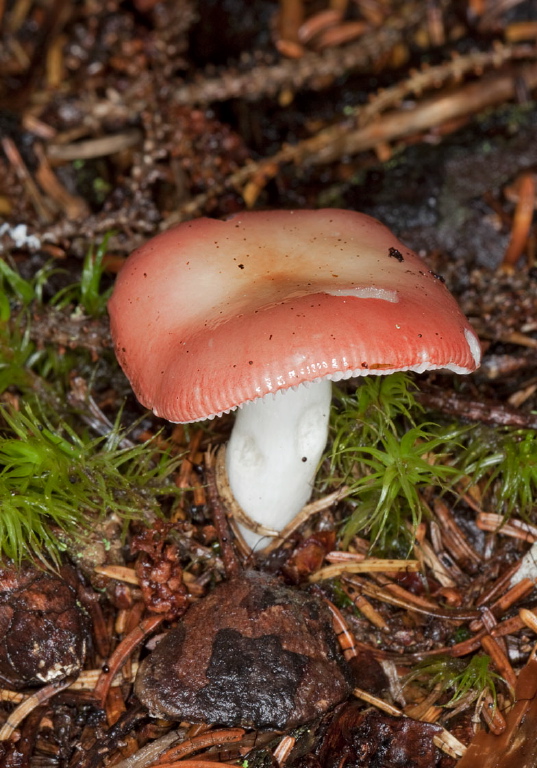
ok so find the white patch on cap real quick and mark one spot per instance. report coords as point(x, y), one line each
point(475, 347)
point(367, 293)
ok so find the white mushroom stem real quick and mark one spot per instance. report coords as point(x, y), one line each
point(273, 453)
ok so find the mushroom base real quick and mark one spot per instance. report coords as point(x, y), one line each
point(273, 453)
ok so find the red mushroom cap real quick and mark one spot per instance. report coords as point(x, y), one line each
point(212, 314)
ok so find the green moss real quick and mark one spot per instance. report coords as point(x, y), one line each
point(57, 481)
point(457, 677)
point(389, 454)
point(505, 462)
point(51, 478)
point(384, 451)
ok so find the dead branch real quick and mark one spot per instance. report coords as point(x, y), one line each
point(310, 71)
point(493, 413)
point(330, 145)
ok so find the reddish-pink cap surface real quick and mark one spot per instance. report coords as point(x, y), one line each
point(212, 314)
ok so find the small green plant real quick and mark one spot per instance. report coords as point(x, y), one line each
point(387, 457)
point(16, 352)
point(396, 471)
point(87, 292)
point(50, 477)
point(372, 410)
point(457, 677)
point(28, 366)
point(12, 283)
point(16, 347)
point(505, 460)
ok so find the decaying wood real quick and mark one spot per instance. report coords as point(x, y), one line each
point(493, 413)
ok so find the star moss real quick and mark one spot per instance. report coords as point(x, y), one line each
point(53, 480)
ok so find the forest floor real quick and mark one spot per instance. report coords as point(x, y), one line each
point(122, 118)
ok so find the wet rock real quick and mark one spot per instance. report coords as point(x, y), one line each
point(43, 632)
point(252, 653)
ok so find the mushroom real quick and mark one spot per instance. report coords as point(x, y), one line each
point(261, 313)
